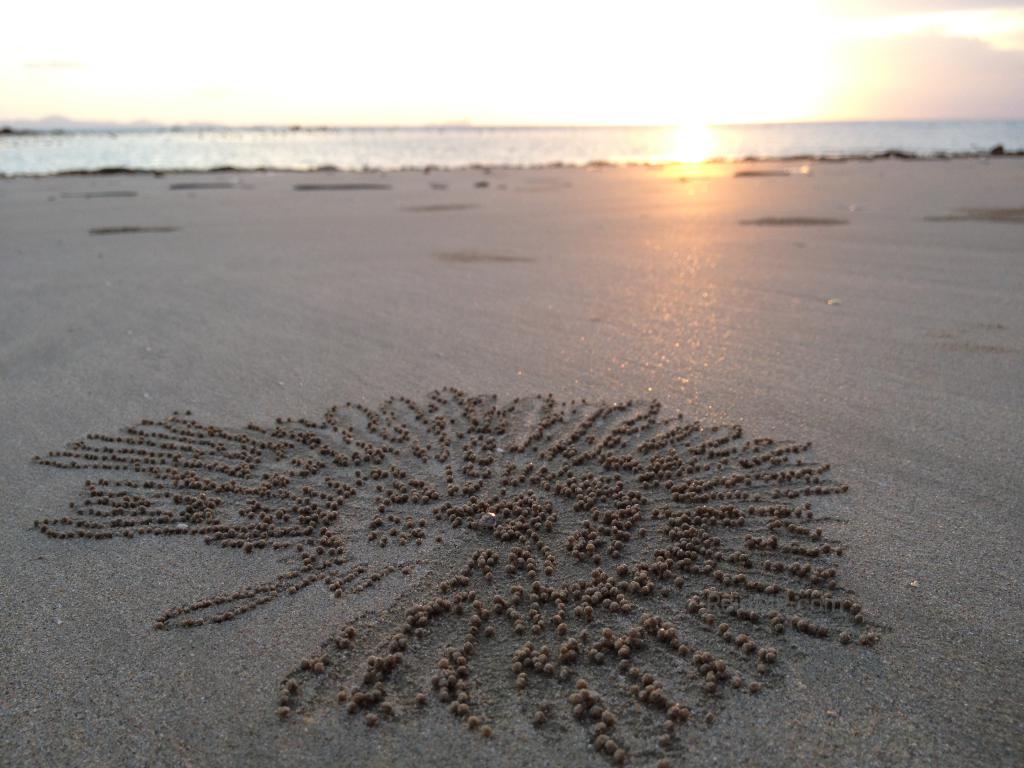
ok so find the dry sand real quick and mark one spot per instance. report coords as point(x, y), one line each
point(894, 342)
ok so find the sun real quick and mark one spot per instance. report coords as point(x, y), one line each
point(693, 142)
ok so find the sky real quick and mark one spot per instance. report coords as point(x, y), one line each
point(528, 62)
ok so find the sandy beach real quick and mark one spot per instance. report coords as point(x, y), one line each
point(873, 309)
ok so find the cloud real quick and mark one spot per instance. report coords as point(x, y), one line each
point(929, 77)
point(900, 7)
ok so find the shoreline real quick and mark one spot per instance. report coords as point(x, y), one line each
point(892, 154)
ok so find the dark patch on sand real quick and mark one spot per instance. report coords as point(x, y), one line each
point(1002, 215)
point(976, 337)
point(106, 193)
point(478, 257)
point(439, 207)
point(543, 184)
point(760, 174)
point(355, 187)
point(129, 230)
point(544, 565)
point(203, 185)
point(793, 221)
point(970, 346)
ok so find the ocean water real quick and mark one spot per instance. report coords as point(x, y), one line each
point(458, 146)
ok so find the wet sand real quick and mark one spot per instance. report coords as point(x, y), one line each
point(894, 343)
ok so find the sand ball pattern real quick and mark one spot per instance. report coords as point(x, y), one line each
point(560, 564)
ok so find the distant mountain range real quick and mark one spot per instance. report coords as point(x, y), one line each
point(59, 123)
point(53, 123)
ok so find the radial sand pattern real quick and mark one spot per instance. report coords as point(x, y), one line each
point(563, 563)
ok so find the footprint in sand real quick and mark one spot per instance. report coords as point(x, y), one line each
point(439, 207)
point(203, 185)
point(356, 187)
point(1002, 215)
point(105, 193)
point(477, 257)
point(129, 230)
point(793, 221)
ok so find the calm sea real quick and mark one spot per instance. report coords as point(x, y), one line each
point(392, 148)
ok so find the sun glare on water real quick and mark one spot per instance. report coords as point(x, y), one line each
point(692, 143)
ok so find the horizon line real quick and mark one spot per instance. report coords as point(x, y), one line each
point(84, 125)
